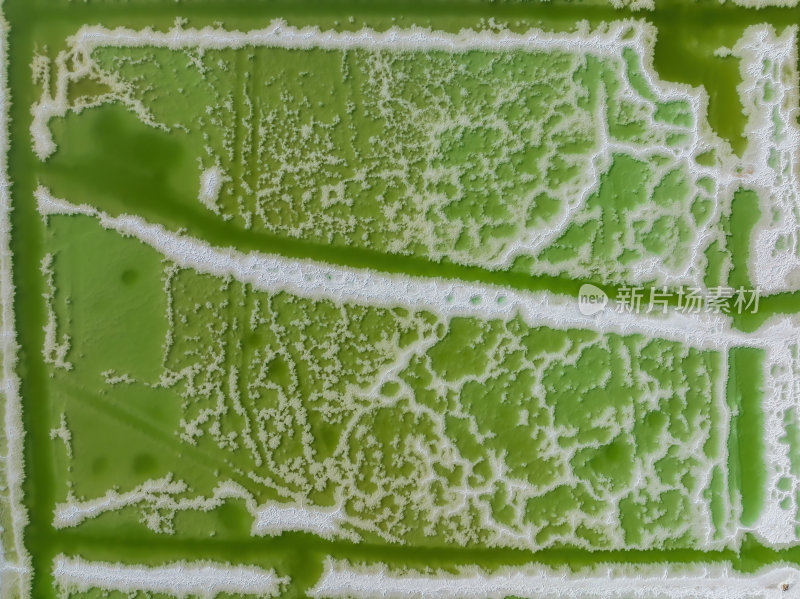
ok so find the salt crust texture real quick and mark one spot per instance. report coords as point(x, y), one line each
point(203, 580)
point(758, 4)
point(768, 63)
point(348, 286)
point(15, 569)
point(608, 42)
point(768, 91)
point(308, 278)
point(778, 338)
point(341, 579)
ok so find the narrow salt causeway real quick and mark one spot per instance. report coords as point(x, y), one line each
point(203, 580)
point(342, 580)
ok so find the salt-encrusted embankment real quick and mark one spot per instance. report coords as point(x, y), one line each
point(204, 580)
point(771, 161)
point(161, 499)
point(447, 298)
point(15, 568)
point(340, 579)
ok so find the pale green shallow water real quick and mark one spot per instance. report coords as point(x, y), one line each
point(122, 166)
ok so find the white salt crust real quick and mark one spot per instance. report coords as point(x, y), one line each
point(768, 166)
point(275, 518)
point(279, 34)
point(15, 568)
point(340, 579)
point(768, 66)
point(211, 181)
point(203, 580)
point(758, 4)
point(607, 41)
point(55, 348)
point(158, 497)
point(775, 244)
point(447, 299)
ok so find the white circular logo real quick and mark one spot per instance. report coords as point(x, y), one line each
point(591, 299)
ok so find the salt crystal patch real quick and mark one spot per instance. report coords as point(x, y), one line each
point(211, 181)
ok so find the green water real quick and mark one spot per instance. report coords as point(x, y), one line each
point(132, 425)
point(122, 166)
point(744, 215)
point(745, 443)
point(301, 363)
point(444, 156)
point(688, 34)
point(112, 161)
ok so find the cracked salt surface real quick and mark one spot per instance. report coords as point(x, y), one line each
point(609, 42)
point(448, 299)
point(769, 67)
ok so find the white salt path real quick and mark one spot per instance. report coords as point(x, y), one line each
point(448, 298)
point(15, 569)
point(276, 518)
point(167, 496)
point(279, 34)
point(342, 580)
point(204, 580)
point(72, 513)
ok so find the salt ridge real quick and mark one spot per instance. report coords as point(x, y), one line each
point(162, 498)
point(340, 579)
point(311, 279)
point(204, 580)
point(15, 569)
